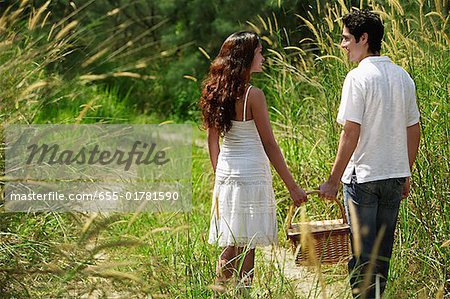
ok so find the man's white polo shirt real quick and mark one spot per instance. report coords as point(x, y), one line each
point(380, 96)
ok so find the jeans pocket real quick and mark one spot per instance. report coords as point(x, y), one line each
point(392, 192)
point(369, 187)
point(365, 194)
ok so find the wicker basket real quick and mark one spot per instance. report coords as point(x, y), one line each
point(329, 239)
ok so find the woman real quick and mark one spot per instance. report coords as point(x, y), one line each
point(244, 211)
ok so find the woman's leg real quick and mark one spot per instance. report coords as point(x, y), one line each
point(247, 262)
point(226, 264)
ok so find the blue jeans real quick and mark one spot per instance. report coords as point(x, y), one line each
point(376, 204)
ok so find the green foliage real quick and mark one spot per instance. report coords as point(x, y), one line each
point(90, 75)
point(156, 41)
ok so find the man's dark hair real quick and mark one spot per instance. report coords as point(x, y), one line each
point(360, 21)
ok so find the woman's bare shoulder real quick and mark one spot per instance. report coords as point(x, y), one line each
point(256, 94)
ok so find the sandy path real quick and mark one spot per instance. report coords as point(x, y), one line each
point(306, 279)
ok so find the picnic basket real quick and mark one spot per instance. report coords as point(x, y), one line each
point(325, 241)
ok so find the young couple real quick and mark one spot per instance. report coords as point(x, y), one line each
point(376, 152)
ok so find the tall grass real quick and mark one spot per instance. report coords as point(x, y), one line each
point(49, 65)
point(167, 255)
point(52, 255)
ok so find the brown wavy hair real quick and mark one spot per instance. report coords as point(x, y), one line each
point(227, 79)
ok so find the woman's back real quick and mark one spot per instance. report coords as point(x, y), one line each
point(242, 152)
point(243, 138)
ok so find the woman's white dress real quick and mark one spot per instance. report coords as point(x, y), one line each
point(243, 207)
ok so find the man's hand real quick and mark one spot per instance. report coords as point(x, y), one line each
point(298, 195)
point(347, 144)
point(406, 188)
point(328, 190)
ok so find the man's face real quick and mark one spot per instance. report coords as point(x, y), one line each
point(356, 51)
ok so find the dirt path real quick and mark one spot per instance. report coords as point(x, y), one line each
point(306, 279)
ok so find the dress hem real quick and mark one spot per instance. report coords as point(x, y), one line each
point(243, 244)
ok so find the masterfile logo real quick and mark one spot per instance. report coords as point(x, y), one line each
point(53, 154)
point(98, 167)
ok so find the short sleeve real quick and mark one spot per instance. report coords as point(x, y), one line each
point(413, 111)
point(352, 101)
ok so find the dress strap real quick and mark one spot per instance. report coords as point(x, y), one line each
point(245, 101)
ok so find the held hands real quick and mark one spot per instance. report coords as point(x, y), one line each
point(329, 190)
point(298, 195)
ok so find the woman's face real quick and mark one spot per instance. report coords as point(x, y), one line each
point(258, 60)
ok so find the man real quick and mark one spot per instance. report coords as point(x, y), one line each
point(377, 150)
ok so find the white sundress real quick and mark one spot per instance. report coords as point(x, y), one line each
point(243, 209)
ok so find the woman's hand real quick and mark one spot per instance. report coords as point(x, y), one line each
point(298, 195)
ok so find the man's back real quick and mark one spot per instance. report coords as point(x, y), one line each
point(380, 96)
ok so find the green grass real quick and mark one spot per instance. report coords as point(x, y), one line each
point(167, 255)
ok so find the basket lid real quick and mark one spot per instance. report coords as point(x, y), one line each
point(318, 226)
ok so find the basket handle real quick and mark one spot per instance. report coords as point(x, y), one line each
point(292, 207)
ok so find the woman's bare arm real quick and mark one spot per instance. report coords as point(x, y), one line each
point(260, 113)
point(213, 146)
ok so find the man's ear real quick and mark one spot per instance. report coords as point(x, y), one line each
point(364, 38)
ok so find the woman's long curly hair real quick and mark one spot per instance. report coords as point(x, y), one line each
point(228, 77)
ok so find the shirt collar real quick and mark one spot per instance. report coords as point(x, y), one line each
point(374, 59)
